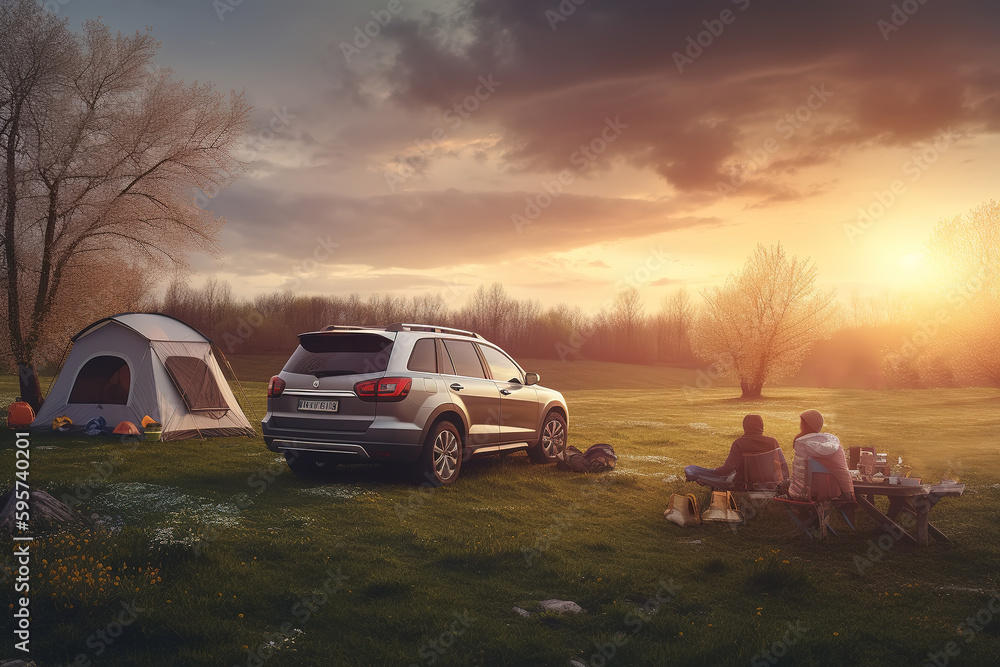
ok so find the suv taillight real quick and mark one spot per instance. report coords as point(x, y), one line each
point(275, 387)
point(383, 389)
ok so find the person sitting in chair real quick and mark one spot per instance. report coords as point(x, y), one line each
point(731, 473)
point(824, 448)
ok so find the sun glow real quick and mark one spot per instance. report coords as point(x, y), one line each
point(913, 262)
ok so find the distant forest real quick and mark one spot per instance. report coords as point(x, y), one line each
point(876, 342)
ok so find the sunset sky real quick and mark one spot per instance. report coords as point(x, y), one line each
point(670, 159)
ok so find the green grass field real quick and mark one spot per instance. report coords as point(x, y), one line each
point(243, 564)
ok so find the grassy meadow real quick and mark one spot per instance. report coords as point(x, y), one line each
point(217, 555)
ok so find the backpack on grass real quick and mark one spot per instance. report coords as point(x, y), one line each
point(598, 458)
point(20, 415)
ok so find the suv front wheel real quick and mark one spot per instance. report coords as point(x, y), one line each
point(552, 441)
point(441, 458)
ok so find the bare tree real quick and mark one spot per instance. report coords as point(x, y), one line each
point(489, 311)
point(674, 322)
point(760, 324)
point(102, 155)
point(627, 314)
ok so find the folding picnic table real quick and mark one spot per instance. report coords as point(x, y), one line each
point(917, 501)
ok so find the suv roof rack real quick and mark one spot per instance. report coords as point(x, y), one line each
point(344, 327)
point(403, 326)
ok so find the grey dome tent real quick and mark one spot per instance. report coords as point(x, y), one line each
point(127, 366)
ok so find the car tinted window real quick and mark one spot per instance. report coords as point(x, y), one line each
point(423, 359)
point(466, 360)
point(502, 367)
point(325, 354)
point(447, 367)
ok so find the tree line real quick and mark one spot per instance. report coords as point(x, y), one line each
point(768, 321)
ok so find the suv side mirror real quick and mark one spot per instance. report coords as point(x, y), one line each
point(532, 378)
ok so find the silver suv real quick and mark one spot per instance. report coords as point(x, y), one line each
point(422, 395)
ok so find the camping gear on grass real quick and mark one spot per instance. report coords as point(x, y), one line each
point(19, 414)
point(96, 426)
point(601, 456)
point(147, 420)
point(132, 365)
point(722, 509)
point(126, 428)
point(153, 431)
point(598, 458)
point(62, 424)
point(683, 510)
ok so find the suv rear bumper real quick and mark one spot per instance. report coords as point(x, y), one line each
point(382, 443)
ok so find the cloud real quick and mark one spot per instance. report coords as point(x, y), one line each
point(663, 282)
point(940, 69)
point(425, 230)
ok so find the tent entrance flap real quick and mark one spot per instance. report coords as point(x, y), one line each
point(196, 385)
point(103, 379)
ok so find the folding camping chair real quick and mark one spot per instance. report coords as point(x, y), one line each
point(759, 472)
point(825, 500)
point(763, 472)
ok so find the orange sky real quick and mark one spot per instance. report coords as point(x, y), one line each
point(417, 151)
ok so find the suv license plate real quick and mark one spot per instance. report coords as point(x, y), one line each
point(313, 405)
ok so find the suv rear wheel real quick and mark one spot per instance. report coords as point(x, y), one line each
point(309, 465)
point(552, 441)
point(441, 458)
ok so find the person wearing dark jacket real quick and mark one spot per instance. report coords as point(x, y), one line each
point(753, 441)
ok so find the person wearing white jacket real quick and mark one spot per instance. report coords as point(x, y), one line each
point(812, 443)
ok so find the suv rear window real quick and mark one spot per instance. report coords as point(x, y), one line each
point(423, 359)
point(324, 354)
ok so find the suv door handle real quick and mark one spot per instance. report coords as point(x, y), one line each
point(505, 392)
point(457, 387)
